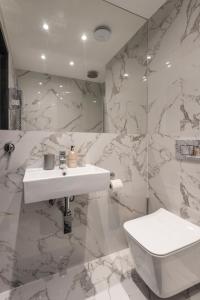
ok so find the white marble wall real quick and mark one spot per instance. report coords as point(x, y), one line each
point(32, 243)
point(126, 97)
point(174, 106)
point(60, 103)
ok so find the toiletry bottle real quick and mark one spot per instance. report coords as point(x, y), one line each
point(72, 158)
point(196, 151)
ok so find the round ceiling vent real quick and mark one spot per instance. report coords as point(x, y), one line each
point(102, 33)
point(92, 74)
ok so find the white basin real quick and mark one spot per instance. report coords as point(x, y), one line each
point(40, 185)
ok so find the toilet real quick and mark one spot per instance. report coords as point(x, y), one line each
point(166, 251)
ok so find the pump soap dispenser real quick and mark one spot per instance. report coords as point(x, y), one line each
point(72, 158)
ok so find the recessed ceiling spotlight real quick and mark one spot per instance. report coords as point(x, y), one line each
point(67, 92)
point(126, 75)
point(40, 83)
point(61, 86)
point(45, 26)
point(168, 64)
point(102, 33)
point(84, 37)
point(144, 78)
point(43, 57)
point(61, 98)
point(71, 63)
point(149, 57)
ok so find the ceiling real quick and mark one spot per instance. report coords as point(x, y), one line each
point(67, 21)
point(144, 8)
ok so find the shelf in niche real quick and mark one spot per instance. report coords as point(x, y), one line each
point(187, 144)
point(190, 158)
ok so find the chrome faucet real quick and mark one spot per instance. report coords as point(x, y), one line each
point(62, 160)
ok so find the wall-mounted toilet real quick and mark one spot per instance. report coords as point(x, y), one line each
point(166, 251)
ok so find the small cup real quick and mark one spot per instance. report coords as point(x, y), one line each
point(49, 161)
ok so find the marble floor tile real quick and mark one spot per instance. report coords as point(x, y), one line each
point(109, 278)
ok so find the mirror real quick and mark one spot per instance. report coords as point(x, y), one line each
point(75, 65)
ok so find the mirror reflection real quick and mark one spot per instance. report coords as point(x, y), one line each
point(70, 69)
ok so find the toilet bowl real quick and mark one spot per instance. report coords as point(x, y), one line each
point(166, 252)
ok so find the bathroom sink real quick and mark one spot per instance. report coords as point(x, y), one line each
point(41, 185)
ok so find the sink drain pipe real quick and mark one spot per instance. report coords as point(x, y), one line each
point(66, 211)
point(67, 216)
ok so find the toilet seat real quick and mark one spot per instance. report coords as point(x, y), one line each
point(163, 233)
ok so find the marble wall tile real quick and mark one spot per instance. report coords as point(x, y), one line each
point(126, 88)
point(174, 110)
point(60, 103)
point(32, 243)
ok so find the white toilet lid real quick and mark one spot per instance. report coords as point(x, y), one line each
point(162, 232)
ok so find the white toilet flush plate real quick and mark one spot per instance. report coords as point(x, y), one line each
point(41, 185)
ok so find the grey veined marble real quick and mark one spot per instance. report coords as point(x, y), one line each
point(58, 103)
point(108, 278)
point(126, 88)
point(32, 243)
point(174, 106)
point(117, 106)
